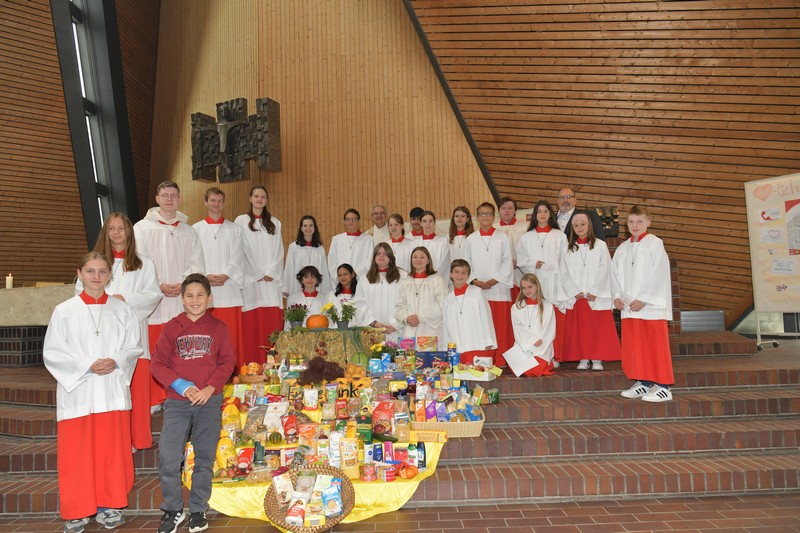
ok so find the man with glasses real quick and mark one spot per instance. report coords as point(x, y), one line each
point(164, 236)
point(566, 208)
point(380, 229)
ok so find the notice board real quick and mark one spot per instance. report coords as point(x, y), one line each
point(773, 222)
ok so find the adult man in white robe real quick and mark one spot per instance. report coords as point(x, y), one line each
point(379, 230)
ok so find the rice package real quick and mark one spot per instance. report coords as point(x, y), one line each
point(272, 417)
point(332, 498)
point(283, 488)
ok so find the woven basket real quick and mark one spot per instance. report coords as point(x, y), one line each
point(252, 378)
point(278, 515)
point(453, 429)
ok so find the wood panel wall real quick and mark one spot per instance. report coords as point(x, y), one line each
point(364, 119)
point(670, 104)
point(138, 35)
point(41, 221)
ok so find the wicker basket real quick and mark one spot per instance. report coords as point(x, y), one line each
point(252, 378)
point(278, 515)
point(453, 429)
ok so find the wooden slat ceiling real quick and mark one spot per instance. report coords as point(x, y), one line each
point(670, 104)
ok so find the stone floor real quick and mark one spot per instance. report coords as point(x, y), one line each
point(779, 513)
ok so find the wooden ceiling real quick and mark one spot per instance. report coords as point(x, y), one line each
point(672, 104)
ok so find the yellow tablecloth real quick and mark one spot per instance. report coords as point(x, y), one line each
point(247, 501)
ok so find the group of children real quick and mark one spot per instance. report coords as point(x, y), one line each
point(202, 298)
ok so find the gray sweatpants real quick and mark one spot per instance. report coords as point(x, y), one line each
point(181, 419)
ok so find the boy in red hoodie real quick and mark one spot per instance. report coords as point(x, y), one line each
point(193, 359)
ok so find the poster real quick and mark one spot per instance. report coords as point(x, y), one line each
point(773, 222)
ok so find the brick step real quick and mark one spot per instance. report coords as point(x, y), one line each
point(475, 483)
point(39, 422)
point(726, 372)
point(21, 455)
point(23, 493)
point(28, 386)
point(544, 442)
point(766, 402)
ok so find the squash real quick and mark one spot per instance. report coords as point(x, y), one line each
point(408, 471)
point(317, 322)
point(275, 438)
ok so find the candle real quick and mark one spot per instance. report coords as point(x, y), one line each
point(9, 281)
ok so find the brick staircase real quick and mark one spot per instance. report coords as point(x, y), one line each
point(733, 428)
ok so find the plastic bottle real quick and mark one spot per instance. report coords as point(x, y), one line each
point(421, 455)
point(412, 454)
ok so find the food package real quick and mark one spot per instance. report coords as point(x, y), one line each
point(231, 418)
point(296, 514)
point(349, 457)
point(334, 448)
point(255, 418)
point(427, 343)
point(332, 498)
point(272, 417)
point(311, 399)
point(226, 452)
point(283, 488)
point(259, 474)
point(382, 417)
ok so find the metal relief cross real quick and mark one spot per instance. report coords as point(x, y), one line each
point(234, 138)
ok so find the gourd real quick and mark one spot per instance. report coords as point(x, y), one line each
point(317, 322)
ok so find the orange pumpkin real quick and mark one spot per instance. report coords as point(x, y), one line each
point(317, 322)
point(408, 471)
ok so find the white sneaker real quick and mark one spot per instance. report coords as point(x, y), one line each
point(658, 393)
point(110, 518)
point(636, 391)
point(583, 365)
point(77, 525)
point(597, 365)
point(556, 364)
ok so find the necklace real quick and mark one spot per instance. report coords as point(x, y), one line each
point(417, 288)
point(215, 232)
point(635, 251)
point(350, 241)
point(460, 305)
point(459, 241)
point(583, 249)
point(542, 239)
point(529, 314)
point(115, 268)
point(487, 243)
point(99, 317)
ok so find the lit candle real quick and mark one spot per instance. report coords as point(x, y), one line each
point(9, 281)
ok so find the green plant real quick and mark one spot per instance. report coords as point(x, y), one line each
point(295, 313)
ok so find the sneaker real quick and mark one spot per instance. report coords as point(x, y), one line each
point(583, 365)
point(76, 526)
point(197, 522)
point(110, 518)
point(556, 364)
point(658, 394)
point(637, 391)
point(170, 521)
point(597, 365)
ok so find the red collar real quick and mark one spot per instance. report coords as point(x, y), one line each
point(461, 291)
point(428, 237)
point(531, 301)
point(346, 290)
point(461, 232)
point(118, 255)
point(258, 217)
point(642, 236)
point(487, 233)
point(383, 270)
point(88, 300)
point(310, 294)
point(210, 220)
point(401, 239)
point(356, 234)
point(545, 229)
point(582, 240)
point(511, 223)
point(308, 243)
point(415, 234)
point(168, 224)
point(419, 275)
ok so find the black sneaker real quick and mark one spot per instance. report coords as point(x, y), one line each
point(170, 521)
point(197, 522)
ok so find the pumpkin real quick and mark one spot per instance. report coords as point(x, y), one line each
point(408, 471)
point(275, 438)
point(317, 322)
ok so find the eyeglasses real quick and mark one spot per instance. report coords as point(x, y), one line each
point(351, 219)
point(169, 196)
point(485, 214)
point(566, 197)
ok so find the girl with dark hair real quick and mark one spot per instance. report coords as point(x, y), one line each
point(460, 228)
point(347, 291)
point(589, 330)
point(379, 290)
point(437, 245)
point(306, 250)
point(420, 299)
point(134, 281)
point(309, 278)
point(539, 252)
point(263, 299)
point(401, 245)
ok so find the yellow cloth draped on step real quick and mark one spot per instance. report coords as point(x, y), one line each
point(247, 501)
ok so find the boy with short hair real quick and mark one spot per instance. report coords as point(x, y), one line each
point(644, 295)
point(193, 359)
point(414, 219)
point(467, 316)
point(352, 247)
